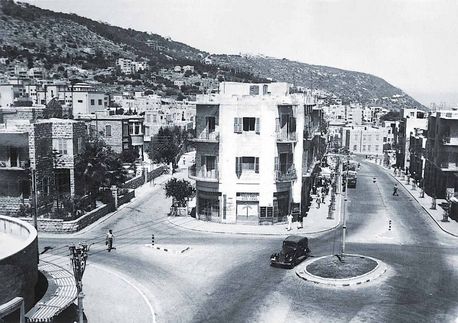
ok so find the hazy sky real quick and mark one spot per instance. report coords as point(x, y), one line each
point(413, 44)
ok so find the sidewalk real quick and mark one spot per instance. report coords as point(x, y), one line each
point(315, 222)
point(425, 202)
point(108, 294)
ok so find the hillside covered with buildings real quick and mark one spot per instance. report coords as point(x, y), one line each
point(73, 47)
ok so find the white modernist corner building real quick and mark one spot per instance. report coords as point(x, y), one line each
point(249, 152)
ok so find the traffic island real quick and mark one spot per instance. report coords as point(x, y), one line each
point(351, 270)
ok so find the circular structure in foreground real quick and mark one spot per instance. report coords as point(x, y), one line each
point(348, 271)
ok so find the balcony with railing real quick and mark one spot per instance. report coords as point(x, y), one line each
point(202, 174)
point(206, 136)
point(449, 166)
point(14, 164)
point(286, 174)
point(286, 137)
point(449, 141)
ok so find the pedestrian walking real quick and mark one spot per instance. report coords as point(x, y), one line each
point(300, 219)
point(290, 221)
point(322, 197)
point(318, 201)
point(395, 190)
point(109, 240)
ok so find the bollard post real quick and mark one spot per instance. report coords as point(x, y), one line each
point(414, 187)
point(330, 212)
point(152, 240)
point(422, 193)
point(408, 179)
point(433, 203)
point(389, 225)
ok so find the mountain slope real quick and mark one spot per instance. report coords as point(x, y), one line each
point(30, 32)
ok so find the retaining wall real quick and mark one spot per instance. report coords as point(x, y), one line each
point(61, 226)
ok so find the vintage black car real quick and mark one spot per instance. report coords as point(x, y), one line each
point(294, 250)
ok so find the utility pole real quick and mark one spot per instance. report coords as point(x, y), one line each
point(34, 199)
point(344, 227)
point(78, 257)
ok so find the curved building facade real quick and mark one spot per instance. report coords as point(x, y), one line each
point(18, 260)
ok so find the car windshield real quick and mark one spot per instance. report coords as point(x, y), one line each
point(289, 247)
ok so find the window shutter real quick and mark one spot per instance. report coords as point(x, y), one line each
point(277, 164)
point(257, 126)
point(237, 125)
point(277, 124)
point(293, 124)
point(238, 166)
point(256, 165)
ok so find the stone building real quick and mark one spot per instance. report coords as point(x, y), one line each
point(27, 161)
point(120, 132)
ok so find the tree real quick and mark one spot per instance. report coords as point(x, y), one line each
point(180, 190)
point(166, 145)
point(129, 156)
point(98, 167)
point(392, 116)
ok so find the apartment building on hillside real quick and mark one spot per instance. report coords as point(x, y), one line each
point(250, 141)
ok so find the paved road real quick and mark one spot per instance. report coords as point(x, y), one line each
point(226, 278)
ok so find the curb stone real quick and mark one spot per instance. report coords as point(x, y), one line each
point(375, 273)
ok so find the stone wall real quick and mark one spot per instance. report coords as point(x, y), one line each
point(123, 199)
point(138, 181)
point(19, 270)
point(61, 226)
point(134, 182)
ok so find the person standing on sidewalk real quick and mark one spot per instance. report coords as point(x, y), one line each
point(300, 219)
point(109, 240)
point(318, 200)
point(290, 221)
point(395, 190)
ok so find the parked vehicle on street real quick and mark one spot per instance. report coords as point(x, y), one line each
point(295, 249)
point(352, 179)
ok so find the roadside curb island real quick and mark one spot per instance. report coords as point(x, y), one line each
point(375, 273)
point(416, 198)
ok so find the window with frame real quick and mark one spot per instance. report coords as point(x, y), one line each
point(249, 124)
point(61, 146)
point(246, 164)
point(100, 102)
point(80, 145)
point(137, 129)
point(92, 102)
point(254, 89)
point(211, 124)
point(108, 130)
point(45, 186)
point(80, 101)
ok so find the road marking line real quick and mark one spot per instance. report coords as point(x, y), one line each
point(121, 276)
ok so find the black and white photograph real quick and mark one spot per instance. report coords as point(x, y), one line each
point(228, 161)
